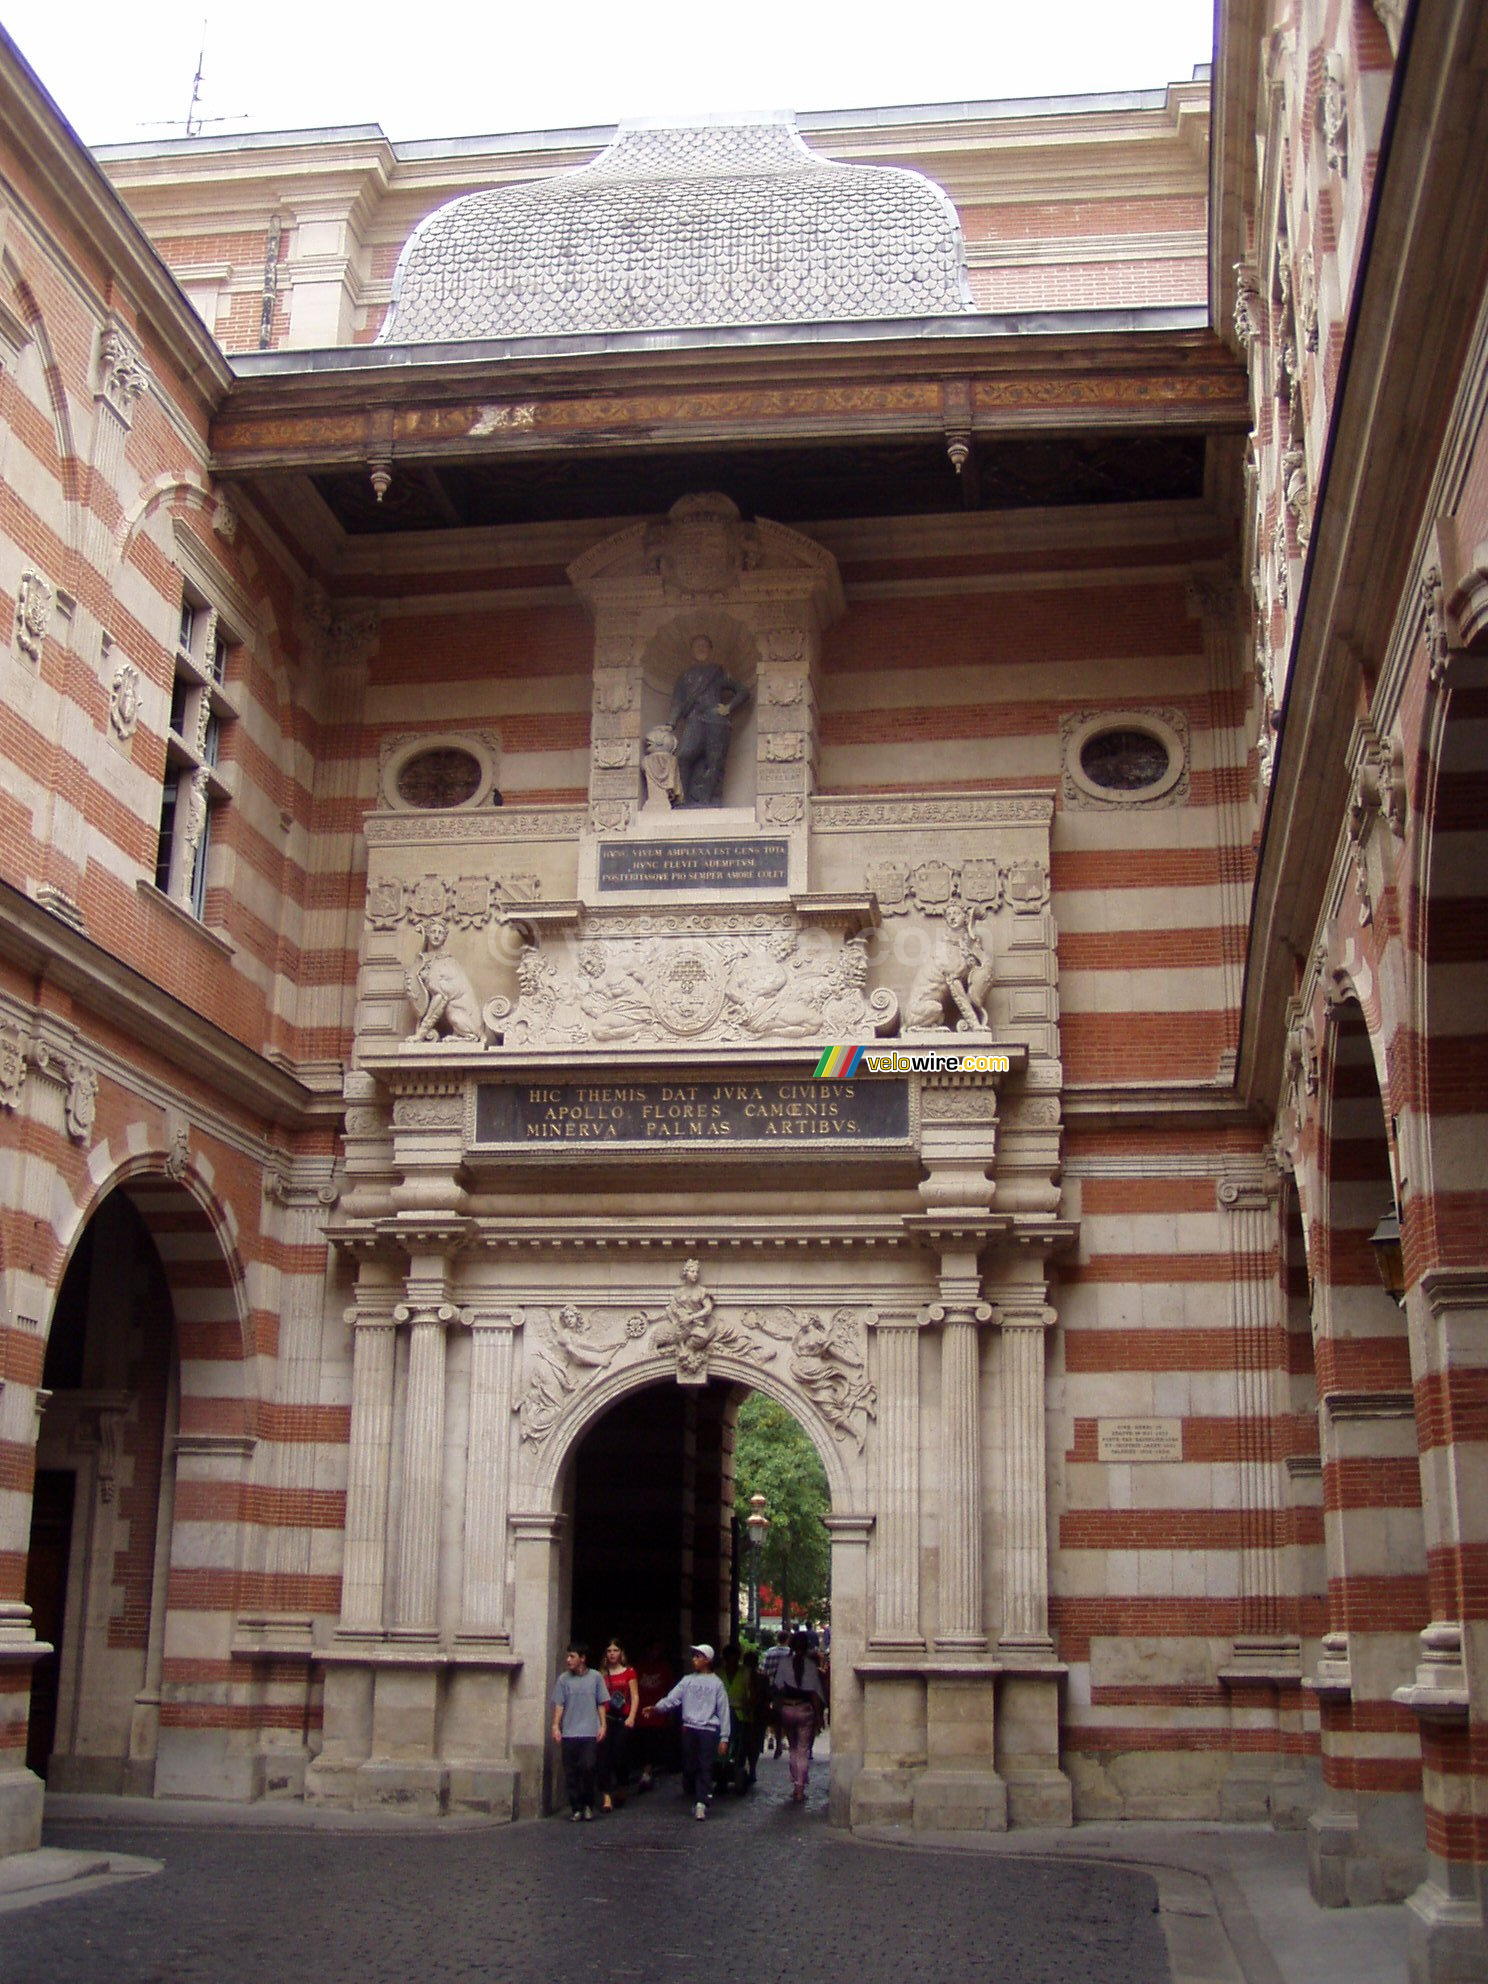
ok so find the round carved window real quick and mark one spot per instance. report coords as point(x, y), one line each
point(445, 776)
point(1125, 760)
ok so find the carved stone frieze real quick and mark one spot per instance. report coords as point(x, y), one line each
point(933, 887)
point(35, 597)
point(959, 1105)
point(991, 810)
point(428, 1112)
point(778, 983)
point(469, 902)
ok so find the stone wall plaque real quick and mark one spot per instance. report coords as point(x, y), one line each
point(1136, 1440)
point(758, 1115)
point(694, 864)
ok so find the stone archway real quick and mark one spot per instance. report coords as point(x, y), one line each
point(141, 1461)
point(547, 1603)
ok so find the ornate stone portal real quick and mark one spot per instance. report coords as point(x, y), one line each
point(637, 993)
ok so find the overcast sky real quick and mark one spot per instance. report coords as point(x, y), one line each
point(451, 68)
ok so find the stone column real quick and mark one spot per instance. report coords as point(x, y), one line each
point(484, 1610)
point(1261, 1782)
point(896, 1548)
point(364, 1564)
point(960, 1622)
point(417, 1598)
point(1027, 1750)
point(1025, 1606)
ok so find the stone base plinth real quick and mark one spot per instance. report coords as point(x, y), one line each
point(1447, 1940)
point(1358, 1858)
point(1040, 1798)
point(21, 1794)
point(492, 1789)
point(959, 1801)
point(883, 1798)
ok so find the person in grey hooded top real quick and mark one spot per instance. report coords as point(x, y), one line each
point(706, 1723)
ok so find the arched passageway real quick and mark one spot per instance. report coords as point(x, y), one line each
point(655, 1556)
point(101, 1510)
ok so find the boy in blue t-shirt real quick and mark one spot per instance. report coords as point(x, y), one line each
point(580, 1702)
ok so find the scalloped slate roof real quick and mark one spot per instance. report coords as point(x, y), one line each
point(681, 227)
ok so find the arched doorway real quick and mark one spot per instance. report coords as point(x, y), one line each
point(101, 1510)
point(1366, 1843)
point(656, 1555)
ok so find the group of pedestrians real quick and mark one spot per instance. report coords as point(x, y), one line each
point(599, 1713)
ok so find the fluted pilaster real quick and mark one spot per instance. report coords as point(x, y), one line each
point(961, 1478)
point(483, 1605)
point(363, 1573)
point(1025, 1606)
point(417, 1606)
point(896, 1606)
point(1249, 1197)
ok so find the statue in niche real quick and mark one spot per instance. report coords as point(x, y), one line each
point(663, 780)
point(569, 1351)
point(441, 993)
point(703, 706)
point(956, 977)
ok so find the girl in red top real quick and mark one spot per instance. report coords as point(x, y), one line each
point(619, 1678)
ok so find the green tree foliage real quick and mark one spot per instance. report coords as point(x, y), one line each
point(774, 1458)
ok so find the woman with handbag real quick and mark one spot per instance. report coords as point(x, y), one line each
point(802, 1699)
point(619, 1678)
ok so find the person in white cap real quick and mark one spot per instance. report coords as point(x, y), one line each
point(703, 1700)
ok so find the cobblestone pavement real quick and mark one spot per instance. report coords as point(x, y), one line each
point(763, 1890)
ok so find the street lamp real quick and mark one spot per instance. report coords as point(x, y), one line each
point(1388, 1258)
point(757, 1523)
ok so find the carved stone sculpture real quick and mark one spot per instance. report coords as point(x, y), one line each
point(441, 993)
point(692, 1330)
point(703, 705)
point(33, 615)
point(777, 984)
point(569, 1350)
point(827, 1362)
point(124, 701)
point(663, 780)
point(955, 978)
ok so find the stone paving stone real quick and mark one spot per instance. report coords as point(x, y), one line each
point(762, 1890)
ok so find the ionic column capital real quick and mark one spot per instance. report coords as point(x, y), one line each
point(1031, 1315)
point(443, 1315)
point(973, 1313)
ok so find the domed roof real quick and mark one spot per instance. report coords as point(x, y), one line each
point(683, 226)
